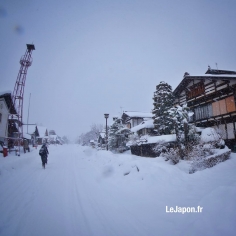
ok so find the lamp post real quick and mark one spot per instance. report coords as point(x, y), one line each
point(106, 116)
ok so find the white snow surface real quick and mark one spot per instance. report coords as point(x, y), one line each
point(87, 192)
point(162, 138)
point(209, 135)
point(144, 124)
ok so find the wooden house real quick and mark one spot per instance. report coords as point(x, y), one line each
point(211, 97)
point(133, 118)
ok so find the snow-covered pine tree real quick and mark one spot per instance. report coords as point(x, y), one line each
point(163, 101)
point(113, 136)
point(180, 118)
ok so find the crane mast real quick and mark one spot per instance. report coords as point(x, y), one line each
point(18, 98)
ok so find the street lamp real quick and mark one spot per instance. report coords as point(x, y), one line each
point(106, 116)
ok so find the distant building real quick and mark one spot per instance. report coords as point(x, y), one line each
point(41, 134)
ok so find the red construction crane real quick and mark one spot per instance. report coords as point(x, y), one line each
point(18, 98)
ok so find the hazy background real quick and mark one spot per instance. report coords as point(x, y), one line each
point(96, 57)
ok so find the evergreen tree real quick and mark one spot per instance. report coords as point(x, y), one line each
point(179, 116)
point(114, 134)
point(163, 101)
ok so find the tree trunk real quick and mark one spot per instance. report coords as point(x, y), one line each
point(178, 140)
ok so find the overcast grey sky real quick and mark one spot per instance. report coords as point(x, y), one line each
point(94, 57)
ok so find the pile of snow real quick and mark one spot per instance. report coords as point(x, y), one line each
point(209, 135)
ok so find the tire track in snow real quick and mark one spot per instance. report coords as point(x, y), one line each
point(130, 224)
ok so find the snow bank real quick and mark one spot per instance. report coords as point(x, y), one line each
point(219, 156)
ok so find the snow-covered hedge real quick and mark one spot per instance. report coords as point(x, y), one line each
point(201, 163)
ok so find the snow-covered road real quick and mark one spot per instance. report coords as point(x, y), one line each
point(85, 192)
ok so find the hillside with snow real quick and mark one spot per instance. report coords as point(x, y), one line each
point(87, 192)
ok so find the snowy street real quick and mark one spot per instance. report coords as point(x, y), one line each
point(87, 192)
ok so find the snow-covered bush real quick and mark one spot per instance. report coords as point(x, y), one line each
point(160, 147)
point(212, 136)
point(214, 157)
point(201, 151)
point(206, 153)
point(133, 139)
point(171, 154)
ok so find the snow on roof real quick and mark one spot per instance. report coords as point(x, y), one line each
point(146, 139)
point(123, 129)
point(165, 138)
point(145, 124)
point(42, 131)
point(138, 114)
point(27, 136)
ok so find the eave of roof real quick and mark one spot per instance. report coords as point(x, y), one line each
point(9, 102)
point(185, 81)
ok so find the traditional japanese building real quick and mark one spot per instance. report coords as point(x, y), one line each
point(211, 97)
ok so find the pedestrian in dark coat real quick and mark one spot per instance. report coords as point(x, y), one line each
point(43, 152)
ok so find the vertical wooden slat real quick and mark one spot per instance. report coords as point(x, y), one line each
point(210, 110)
point(216, 108)
point(230, 104)
point(230, 131)
point(222, 106)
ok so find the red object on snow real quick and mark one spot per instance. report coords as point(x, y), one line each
point(4, 152)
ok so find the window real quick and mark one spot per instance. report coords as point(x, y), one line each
point(196, 90)
point(0, 117)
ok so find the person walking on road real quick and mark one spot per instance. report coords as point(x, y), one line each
point(43, 152)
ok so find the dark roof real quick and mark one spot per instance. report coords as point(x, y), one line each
point(9, 102)
point(220, 72)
